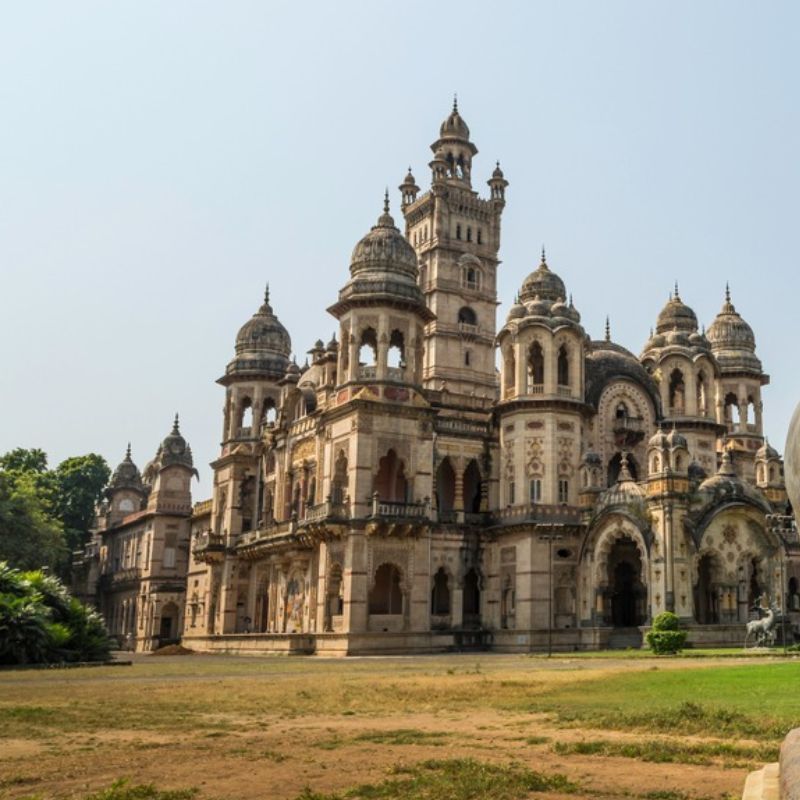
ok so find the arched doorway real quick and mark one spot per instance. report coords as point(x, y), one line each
point(445, 488)
point(472, 488)
point(706, 601)
point(168, 625)
point(472, 600)
point(627, 592)
point(386, 596)
point(440, 594)
point(390, 482)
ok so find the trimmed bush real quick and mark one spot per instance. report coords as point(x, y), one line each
point(666, 638)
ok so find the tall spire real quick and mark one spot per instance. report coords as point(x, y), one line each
point(266, 294)
point(608, 328)
point(386, 200)
point(677, 293)
point(128, 452)
point(175, 425)
point(455, 102)
point(544, 256)
point(727, 292)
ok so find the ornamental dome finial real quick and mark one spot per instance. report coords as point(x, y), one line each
point(608, 328)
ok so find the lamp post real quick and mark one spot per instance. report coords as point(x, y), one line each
point(550, 538)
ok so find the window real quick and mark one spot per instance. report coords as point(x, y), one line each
point(458, 231)
point(469, 234)
point(511, 499)
point(480, 236)
point(536, 364)
point(466, 316)
point(386, 596)
point(466, 358)
point(535, 491)
point(563, 490)
point(563, 366)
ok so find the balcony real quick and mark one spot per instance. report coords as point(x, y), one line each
point(367, 373)
point(628, 431)
point(538, 513)
point(208, 546)
point(121, 577)
point(325, 511)
point(392, 508)
point(564, 391)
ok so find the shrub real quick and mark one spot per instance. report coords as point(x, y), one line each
point(666, 638)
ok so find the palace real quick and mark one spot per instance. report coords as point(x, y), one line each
point(400, 493)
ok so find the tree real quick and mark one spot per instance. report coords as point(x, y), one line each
point(22, 460)
point(29, 537)
point(80, 481)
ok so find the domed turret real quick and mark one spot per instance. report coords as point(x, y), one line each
point(126, 475)
point(262, 344)
point(676, 316)
point(383, 269)
point(408, 189)
point(542, 284)
point(175, 450)
point(732, 340)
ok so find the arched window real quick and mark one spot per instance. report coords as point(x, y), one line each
point(466, 316)
point(335, 591)
point(536, 365)
point(246, 413)
point(467, 354)
point(368, 349)
point(469, 233)
point(563, 366)
point(390, 482)
point(440, 595)
point(480, 236)
point(472, 488)
point(731, 409)
point(339, 483)
point(458, 231)
point(472, 278)
point(471, 596)
point(269, 413)
point(396, 357)
point(702, 406)
point(445, 487)
point(621, 411)
point(509, 371)
point(677, 392)
point(386, 596)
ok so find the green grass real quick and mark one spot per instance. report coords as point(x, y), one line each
point(453, 779)
point(666, 751)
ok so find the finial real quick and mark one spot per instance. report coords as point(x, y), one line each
point(175, 425)
point(608, 329)
point(128, 452)
point(570, 301)
point(386, 201)
point(544, 258)
point(651, 331)
point(266, 294)
point(455, 102)
point(677, 294)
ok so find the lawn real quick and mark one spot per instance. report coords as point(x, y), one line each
point(444, 727)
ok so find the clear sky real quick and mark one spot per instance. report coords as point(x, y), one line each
point(160, 162)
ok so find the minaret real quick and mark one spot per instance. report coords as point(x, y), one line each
point(456, 235)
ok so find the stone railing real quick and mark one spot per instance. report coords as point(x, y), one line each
point(326, 510)
point(537, 512)
point(368, 373)
point(393, 508)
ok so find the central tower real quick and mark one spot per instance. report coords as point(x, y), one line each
point(456, 236)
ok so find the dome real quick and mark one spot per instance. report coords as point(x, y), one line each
point(767, 452)
point(607, 362)
point(497, 173)
point(538, 308)
point(293, 371)
point(675, 439)
point(385, 250)
point(658, 439)
point(517, 310)
point(732, 340)
point(676, 315)
point(262, 344)
point(454, 126)
point(409, 179)
point(544, 283)
point(625, 492)
point(175, 450)
point(696, 472)
point(127, 475)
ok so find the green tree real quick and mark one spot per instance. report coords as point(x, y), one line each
point(22, 460)
point(80, 481)
point(29, 536)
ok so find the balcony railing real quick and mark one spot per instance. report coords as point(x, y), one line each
point(628, 425)
point(208, 541)
point(535, 388)
point(367, 373)
point(393, 508)
point(564, 391)
point(326, 510)
point(539, 513)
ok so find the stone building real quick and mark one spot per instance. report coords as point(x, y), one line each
point(431, 480)
point(134, 567)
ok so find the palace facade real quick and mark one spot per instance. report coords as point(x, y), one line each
point(400, 493)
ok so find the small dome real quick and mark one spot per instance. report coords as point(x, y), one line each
point(333, 345)
point(517, 310)
point(560, 308)
point(127, 475)
point(676, 315)
point(675, 439)
point(175, 450)
point(658, 439)
point(543, 283)
point(625, 492)
point(384, 250)
point(409, 179)
point(454, 126)
point(732, 339)
point(696, 472)
point(262, 344)
point(538, 307)
point(497, 173)
point(292, 370)
point(767, 452)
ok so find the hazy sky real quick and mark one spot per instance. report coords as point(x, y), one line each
point(159, 162)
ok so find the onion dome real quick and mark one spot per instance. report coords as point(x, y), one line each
point(262, 344)
point(767, 452)
point(696, 472)
point(732, 340)
point(675, 439)
point(559, 308)
point(497, 173)
point(538, 307)
point(543, 283)
point(292, 372)
point(676, 316)
point(333, 345)
point(607, 362)
point(625, 492)
point(659, 440)
point(454, 126)
point(126, 475)
point(174, 449)
point(408, 180)
point(517, 310)
point(383, 268)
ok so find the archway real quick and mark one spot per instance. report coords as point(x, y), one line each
point(390, 482)
point(706, 601)
point(386, 596)
point(472, 599)
point(627, 591)
point(445, 487)
point(472, 488)
point(440, 594)
point(168, 625)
